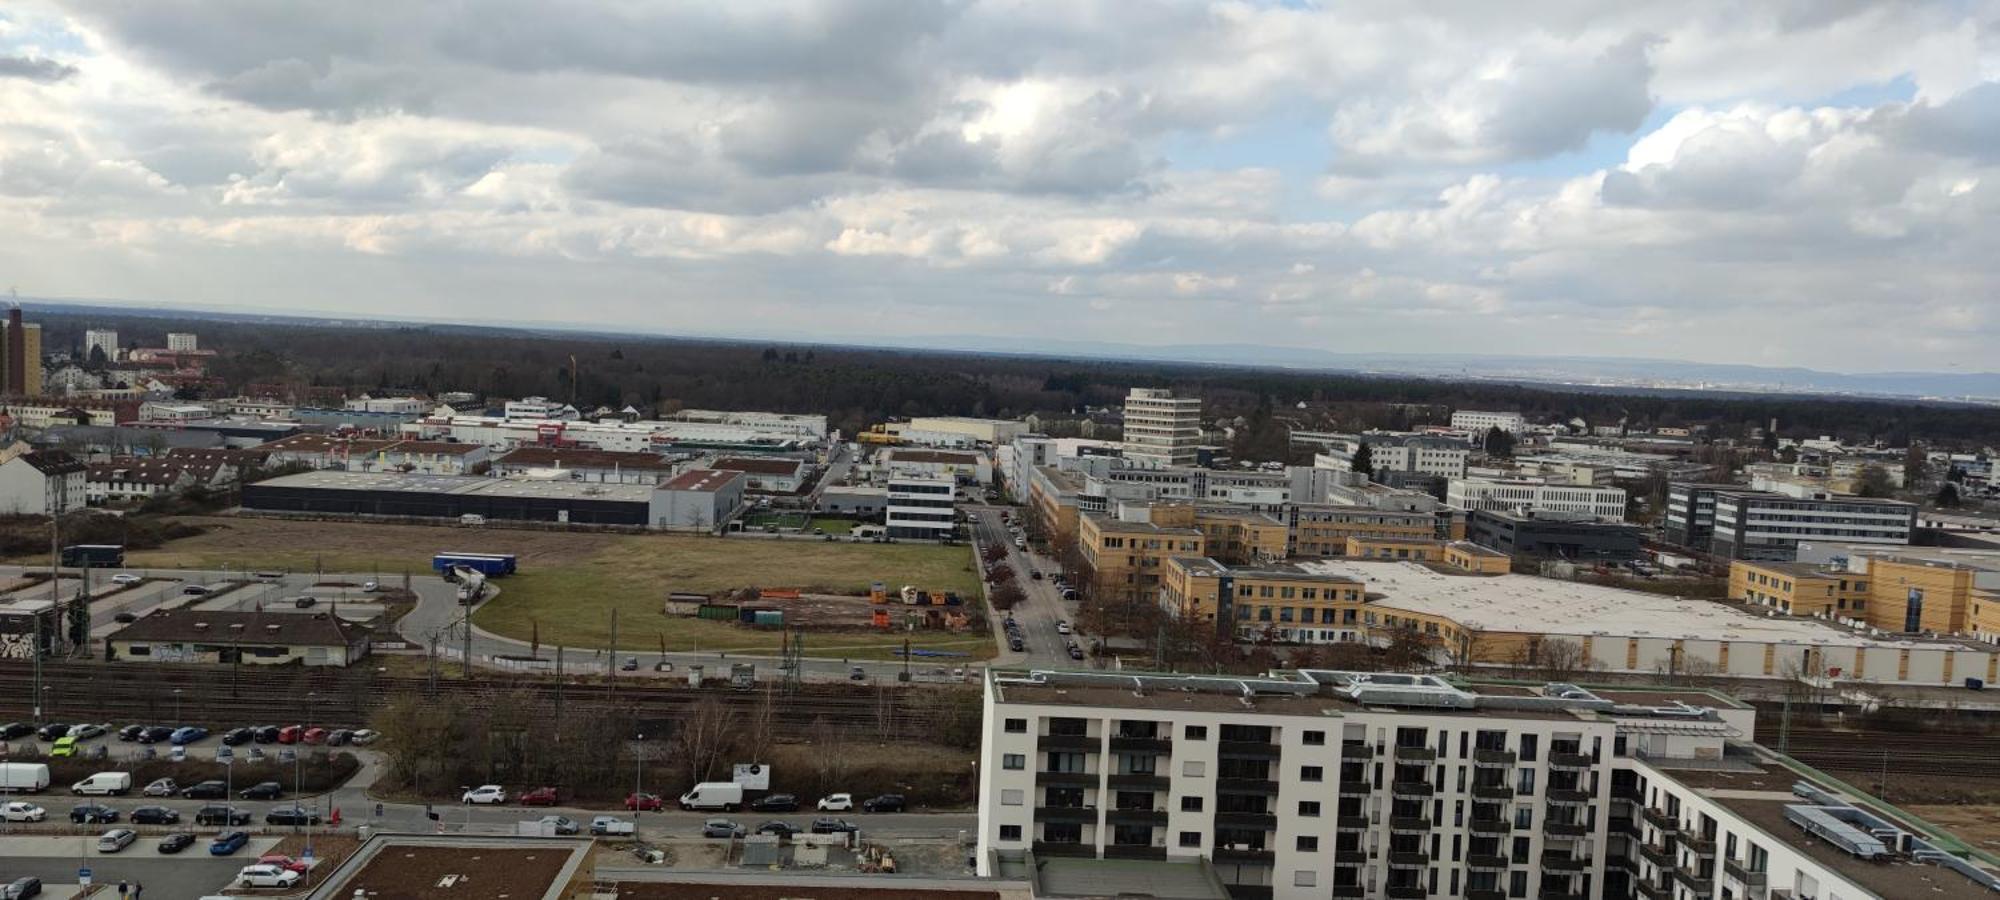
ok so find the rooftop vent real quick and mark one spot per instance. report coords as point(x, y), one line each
point(201, 626)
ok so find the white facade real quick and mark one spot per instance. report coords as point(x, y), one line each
point(182, 342)
point(1768, 526)
point(42, 483)
point(104, 339)
point(1480, 422)
point(1161, 429)
point(921, 429)
point(405, 406)
point(539, 408)
point(1494, 495)
point(174, 412)
point(1393, 453)
point(921, 508)
point(967, 466)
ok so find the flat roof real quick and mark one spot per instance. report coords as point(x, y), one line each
point(702, 480)
point(795, 885)
point(1121, 526)
point(759, 465)
point(440, 867)
point(1528, 603)
point(336, 480)
point(1208, 566)
point(581, 458)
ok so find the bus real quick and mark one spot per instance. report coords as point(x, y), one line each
point(96, 556)
point(491, 565)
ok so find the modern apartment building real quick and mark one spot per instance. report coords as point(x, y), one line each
point(1318, 529)
point(1480, 422)
point(1498, 495)
point(104, 339)
point(182, 342)
point(1126, 558)
point(1161, 429)
point(1769, 526)
point(1313, 784)
point(1420, 453)
point(20, 356)
point(1939, 590)
point(921, 507)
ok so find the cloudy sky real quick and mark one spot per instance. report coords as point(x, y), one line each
point(1809, 182)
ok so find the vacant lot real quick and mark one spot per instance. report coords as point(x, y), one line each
point(570, 582)
point(1978, 826)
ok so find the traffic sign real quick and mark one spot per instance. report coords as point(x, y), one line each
point(83, 876)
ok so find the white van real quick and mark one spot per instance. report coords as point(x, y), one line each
point(724, 795)
point(104, 784)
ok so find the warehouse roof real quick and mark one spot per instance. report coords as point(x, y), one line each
point(935, 456)
point(575, 458)
point(335, 480)
point(702, 480)
point(759, 465)
point(187, 625)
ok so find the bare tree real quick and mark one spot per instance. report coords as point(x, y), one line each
point(706, 736)
point(831, 763)
point(1552, 659)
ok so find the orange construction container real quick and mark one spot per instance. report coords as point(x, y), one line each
point(779, 593)
point(877, 593)
point(880, 619)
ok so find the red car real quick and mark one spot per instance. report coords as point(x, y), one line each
point(642, 802)
point(541, 796)
point(283, 862)
point(313, 736)
point(290, 734)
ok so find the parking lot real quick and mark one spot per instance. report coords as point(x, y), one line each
point(189, 874)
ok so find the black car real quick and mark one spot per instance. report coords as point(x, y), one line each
point(883, 803)
point(775, 803)
point(834, 826)
point(781, 829)
point(130, 732)
point(1016, 645)
point(22, 888)
point(221, 815)
point(54, 731)
point(175, 843)
point(153, 734)
point(237, 737)
point(155, 815)
point(291, 815)
point(92, 814)
point(267, 734)
point(339, 737)
point(207, 790)
point(265, 790)
point(1075, 652)
point(12, 730)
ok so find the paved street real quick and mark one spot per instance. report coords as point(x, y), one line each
point(1043, 608)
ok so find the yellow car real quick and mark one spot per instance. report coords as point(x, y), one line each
point(65, 746)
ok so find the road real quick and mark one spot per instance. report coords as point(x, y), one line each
point(1043, 608)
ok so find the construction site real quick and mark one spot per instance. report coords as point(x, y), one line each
point(909, 610)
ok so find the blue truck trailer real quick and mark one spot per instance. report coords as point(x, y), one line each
point(491, 565)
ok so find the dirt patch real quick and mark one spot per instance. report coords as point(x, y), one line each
point(1978, 826)
point(329, 850)
point(1930, 790)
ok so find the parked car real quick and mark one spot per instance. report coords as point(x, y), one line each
point(365, 736)
point(54, 731)
point(237, 737)
point(206, 790)
point(175, 843)
point(833, 826)
point(643, 802)
point(22, 888)
point(195, 590)
point(92, 814)
point(305, 602)
point(610, 825)
point(155, 815)
point(153, 734)
point(1062, 627)
point(781, 829)
point(116, 839)
point(836, 803)
point(1075, 652)
point(13, 730)
point(541, 796)
point(283, 862)
point(313, 736)
point(263, 876)
point(266, 734)
point(562, 825)
point(885, 803)
point(21, 811)
point(161, 787)
point(369, 587)
point(856, 673)
point(290, 734)
point(776, 803)
point(293, 815)
point(125, 578)
point(631, 664)
point(721, 828)
point(228, 843)
point(485, 794)
point(86, 732)
point(64, 746)
point(187, 734)
point(218, 815)
point(263, 790)
point(339, 737)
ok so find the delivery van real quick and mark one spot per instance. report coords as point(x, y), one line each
point(724, 795)
point(25, 778)
point(104, 784)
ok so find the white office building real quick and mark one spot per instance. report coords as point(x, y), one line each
point(1763, 525)
point(1500, 495)
point(1479, 422)
point(921, 507)
point(182, 342)
point(1422, 454)
point(538, 408)
point(1310, 785)
point(104, 339)
point(1161, 430)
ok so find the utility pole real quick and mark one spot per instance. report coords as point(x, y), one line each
point(466, 623)
point(559, 688)
point(611, 663)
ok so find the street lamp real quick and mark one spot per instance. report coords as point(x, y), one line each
point(177, 708)
point(638, 776)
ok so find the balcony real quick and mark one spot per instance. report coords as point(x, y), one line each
point(1133, 782)
point(1066, 779)
point(1248, 891)
point(1555, 828)
point(1701, 885)
point(1651, 891)
point(1351, 823)
point(1569, 761)
point(1349, 857)
point(1408, 859)
point(1134, 851)
point(1701, 846)
point(1406, 892)
point(1486, 862)
point(1352, 750)
point(1626, 792)
point(1247, 749)
point(1243, 856)
point(1493, 791)
point(1491, 827)
point(1563, 862)
point(1416, 754)
point(1742, 873)
point(1156, 817)
point(1081, 815)
point(1262, 821)
point(1556, 893)
point(1625, 825)
point(1345, 891)
point(1123, 744)
point(1667, 824)
point(1409, 824)
point(1065, 848)
point(1246, 786)
point(1569, 796)
point(1658, 856)
point(1493, 758)
point(1485, 894)
point(1356, 787)
point(1412, 789)
point(1068, 742)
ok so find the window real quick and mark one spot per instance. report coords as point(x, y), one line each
point(1312, 773)
point(1012, 797)
point(1190, 804)
point(1308, 843)
point(1309, 808)
point(1194, 768)
point(1190, 838)
point(1315, 738)
point(1197, 732)
point(1017, 726)
point(1014, 761)
point(1010, 832)
point(1304, 878)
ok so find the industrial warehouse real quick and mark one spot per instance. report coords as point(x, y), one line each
point(457, 496)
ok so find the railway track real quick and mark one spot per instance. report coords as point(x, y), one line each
point(347, 698)
point(1905, 753)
